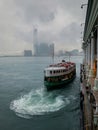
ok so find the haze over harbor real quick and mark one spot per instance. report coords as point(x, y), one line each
point(74, 52)
point(58, 21)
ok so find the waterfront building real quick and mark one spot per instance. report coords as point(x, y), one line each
point(28, 53)
point(89, 71)
point(45, 49)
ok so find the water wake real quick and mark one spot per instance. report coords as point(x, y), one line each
point(39, 102)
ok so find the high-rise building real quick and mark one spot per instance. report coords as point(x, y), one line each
point(35, 41)
point(42, 48)
point(52, 49)
point(27, 53)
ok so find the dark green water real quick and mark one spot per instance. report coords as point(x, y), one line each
point(25, 103)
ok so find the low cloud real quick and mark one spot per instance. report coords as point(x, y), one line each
point(57, 21)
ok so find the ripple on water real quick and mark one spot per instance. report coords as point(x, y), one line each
point(39, 102)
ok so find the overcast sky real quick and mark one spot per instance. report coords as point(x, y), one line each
point(58, 21)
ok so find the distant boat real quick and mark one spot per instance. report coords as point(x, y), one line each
point(57, 75)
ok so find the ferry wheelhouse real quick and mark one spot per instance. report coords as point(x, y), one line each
point(58, 75)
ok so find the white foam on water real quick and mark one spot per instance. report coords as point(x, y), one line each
point(38, 102)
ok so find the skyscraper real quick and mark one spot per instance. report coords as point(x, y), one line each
point(42, 48)
point(52, 49)
point(35, 41)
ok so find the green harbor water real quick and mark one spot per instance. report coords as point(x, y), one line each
point(25, 103)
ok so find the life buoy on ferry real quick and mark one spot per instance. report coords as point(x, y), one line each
point(66, 66)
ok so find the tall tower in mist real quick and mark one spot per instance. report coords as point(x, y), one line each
point(35, 41)
point(52, 49)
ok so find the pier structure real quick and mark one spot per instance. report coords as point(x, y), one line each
point(89, 68)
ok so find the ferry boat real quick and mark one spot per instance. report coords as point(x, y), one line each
point(57, 75)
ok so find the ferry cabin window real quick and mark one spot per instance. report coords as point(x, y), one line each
point(50, 72)
point(55, 71)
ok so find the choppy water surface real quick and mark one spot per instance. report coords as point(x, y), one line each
point(39, 102)
point(26, 102)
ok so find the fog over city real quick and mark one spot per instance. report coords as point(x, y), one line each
point(57, 21)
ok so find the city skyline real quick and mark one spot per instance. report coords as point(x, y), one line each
point(57, 21)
